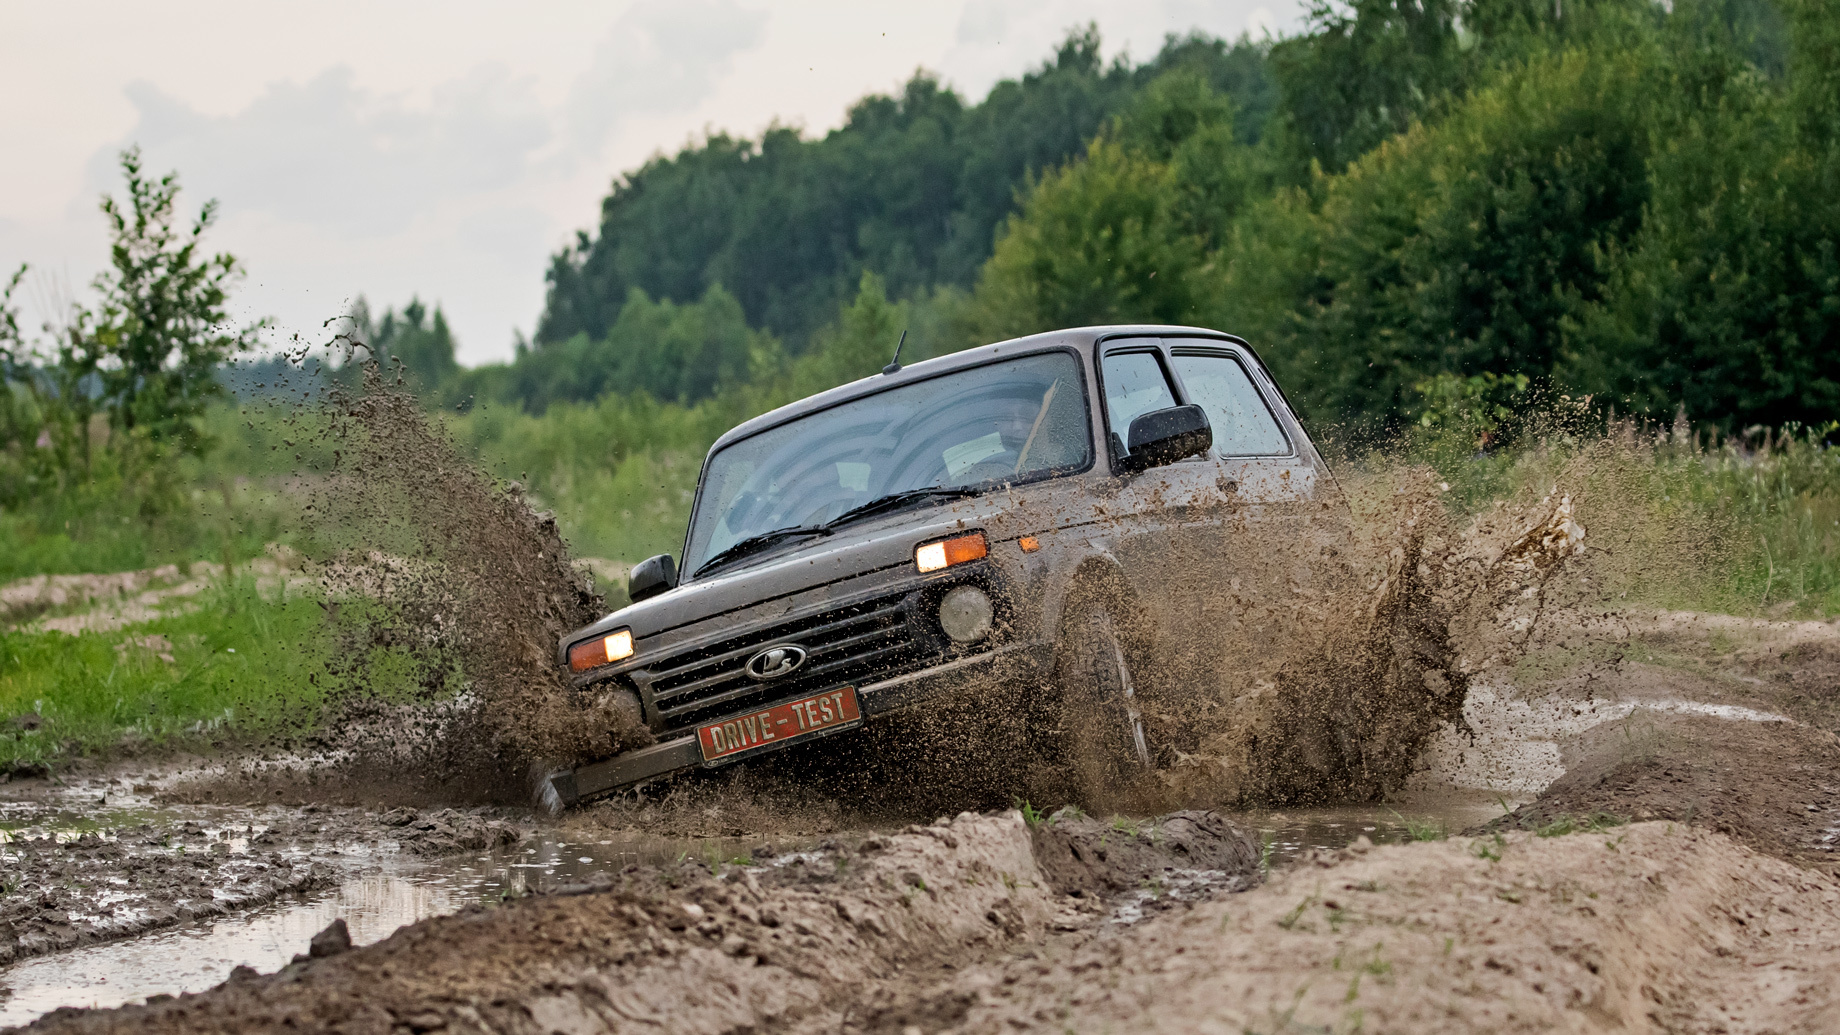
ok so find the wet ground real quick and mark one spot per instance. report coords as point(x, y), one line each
point(334, 863)
point(1714, 729)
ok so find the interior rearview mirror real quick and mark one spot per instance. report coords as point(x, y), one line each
point(1164, 436)
point(651, 577)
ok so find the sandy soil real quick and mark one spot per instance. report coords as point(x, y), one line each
point(1651, 927)
point(1717, 909)
point(961, 927)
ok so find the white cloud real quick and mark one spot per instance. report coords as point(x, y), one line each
point(331, 153)
point(446, 147)
point(658, 59)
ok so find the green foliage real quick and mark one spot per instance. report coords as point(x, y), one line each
point(1774, 502)
point(1461, 247)
point(912, 187)
point(104, 404)
point(1590, 823)
point(620, 471)
point(1422, 830)
point(92, 527)
point(1032, 817)
point(680, 352)
point(1099, 241)
point(1478, 407)
point(1362, 73)
point(414, 343)
point(1729, 297)
point(161, 328)
point(237, 663)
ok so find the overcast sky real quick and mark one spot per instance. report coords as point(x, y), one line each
point(446, 149)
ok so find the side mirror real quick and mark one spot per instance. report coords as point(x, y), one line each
point(1165, 436)
point(651, 577)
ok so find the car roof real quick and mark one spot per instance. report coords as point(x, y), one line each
point(1075, 336)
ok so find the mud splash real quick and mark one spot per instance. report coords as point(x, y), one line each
point(1340, 652)
point(446, 593)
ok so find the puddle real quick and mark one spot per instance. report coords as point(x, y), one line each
point(1514, 744)
point(1293, 832)
point(197, 956)
point(1171, 886)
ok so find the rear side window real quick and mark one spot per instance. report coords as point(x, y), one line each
point(1243, 424)
point(1134, 384)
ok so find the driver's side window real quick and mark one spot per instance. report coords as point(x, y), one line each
point(1135, 383)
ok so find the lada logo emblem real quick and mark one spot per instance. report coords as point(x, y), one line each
point(781, 659)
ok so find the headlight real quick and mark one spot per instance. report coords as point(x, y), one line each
point(616, 646)
point(965, 614)
point(936, 556)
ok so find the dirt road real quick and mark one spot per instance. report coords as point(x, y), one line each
point(1678, 875)
point(959, 926)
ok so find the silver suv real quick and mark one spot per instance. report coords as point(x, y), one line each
point(1024, 523)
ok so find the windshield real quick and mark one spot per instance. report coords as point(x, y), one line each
point(1012, 422)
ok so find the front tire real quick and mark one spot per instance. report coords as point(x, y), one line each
point(1107, 748)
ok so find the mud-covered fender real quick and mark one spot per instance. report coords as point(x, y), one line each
point(1092, 572)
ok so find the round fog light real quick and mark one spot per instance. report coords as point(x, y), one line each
point(965, 614)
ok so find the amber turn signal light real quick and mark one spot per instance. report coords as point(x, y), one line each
point(617, 646)
point(938, 556)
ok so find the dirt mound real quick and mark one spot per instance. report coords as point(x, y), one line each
point(957, 927)
point(1772, 786)
point(1652, 927)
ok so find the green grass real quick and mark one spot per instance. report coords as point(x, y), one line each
point(1673, 519)
point(1590, 823)
point(1421, 830)
point(246, 663)
point(1031, 816)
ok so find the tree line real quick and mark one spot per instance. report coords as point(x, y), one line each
point(1609, 198)
point(1412, 205)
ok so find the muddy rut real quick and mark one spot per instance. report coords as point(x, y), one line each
point(958, 926)
point(809, 939)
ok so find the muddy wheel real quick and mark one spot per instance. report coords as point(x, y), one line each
point(1104, 741)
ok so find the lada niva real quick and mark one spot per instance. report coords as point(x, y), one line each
point(1023, 522)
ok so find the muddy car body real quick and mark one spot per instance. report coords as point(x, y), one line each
point(1035, 508)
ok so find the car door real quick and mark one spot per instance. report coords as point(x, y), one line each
point(1252, 449)
point(1274, 547)
point(1148, 519)
point(1215, 546)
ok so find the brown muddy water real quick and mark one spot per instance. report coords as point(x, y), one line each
point(1515, 746)
point(375, 886)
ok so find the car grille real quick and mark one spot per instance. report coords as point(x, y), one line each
point(859, 643)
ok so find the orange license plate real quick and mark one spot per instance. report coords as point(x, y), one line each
point(779, 725)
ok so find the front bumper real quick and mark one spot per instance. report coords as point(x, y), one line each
point(979, 673)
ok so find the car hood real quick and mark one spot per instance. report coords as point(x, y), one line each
point(854, 550)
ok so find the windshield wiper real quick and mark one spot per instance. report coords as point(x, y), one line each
point(755, 543)
point(894, 500)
